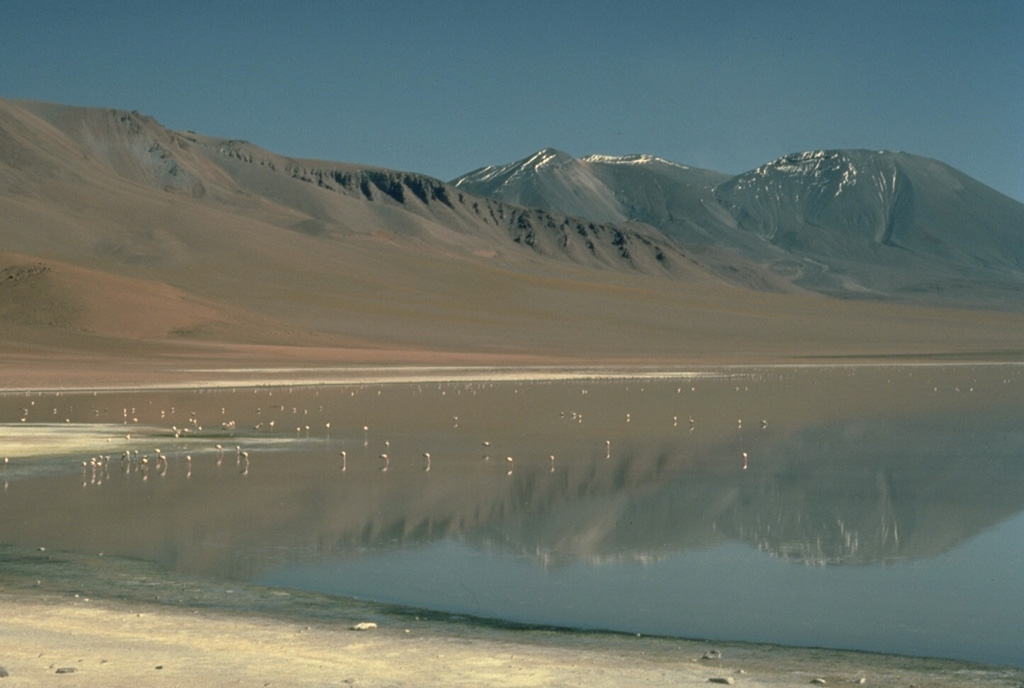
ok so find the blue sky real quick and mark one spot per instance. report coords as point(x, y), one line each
point(446, 86)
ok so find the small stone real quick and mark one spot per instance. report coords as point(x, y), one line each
point(66, 670)
point(861, 681)
point(158, 667)
point(364, 626)
point(712, 654)
point(818, 681)
point(3, 672)
point(727, 680)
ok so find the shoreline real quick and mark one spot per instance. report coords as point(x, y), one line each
point(336, 376)
point(186, 632)
point(109, 643)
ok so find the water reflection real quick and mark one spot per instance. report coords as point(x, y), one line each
point(825, 468)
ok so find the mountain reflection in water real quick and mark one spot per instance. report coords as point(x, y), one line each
point(842, 467)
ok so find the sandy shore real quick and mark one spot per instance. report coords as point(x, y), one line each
point(104, 621)
point(106, 643)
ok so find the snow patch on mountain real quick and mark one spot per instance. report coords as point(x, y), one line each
point(635, 159)
point(826, 171)
point(543, 158)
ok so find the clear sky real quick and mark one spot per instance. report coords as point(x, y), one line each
point(445, 86)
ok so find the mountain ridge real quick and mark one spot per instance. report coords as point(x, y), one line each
point(256, 251)
point(193, 165)
point(850, 223)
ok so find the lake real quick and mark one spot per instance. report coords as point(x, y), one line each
point(875, 508)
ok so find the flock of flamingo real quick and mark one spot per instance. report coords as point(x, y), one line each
point(132, 461)
point(97, 469)
point(191, 441)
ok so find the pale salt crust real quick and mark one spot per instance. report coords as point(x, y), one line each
point(218, 378)
point(211, 378)
point(53, 439)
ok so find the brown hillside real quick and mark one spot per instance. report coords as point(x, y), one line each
point(125, 241)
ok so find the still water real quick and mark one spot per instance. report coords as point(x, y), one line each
point(871, 508)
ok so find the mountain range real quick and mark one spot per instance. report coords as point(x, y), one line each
point(122, 241)
point(849, 223)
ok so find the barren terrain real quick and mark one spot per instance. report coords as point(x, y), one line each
point(133, 253)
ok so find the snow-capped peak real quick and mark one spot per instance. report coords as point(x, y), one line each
point(546, 157)
point(634, 159)
point(823, 169)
